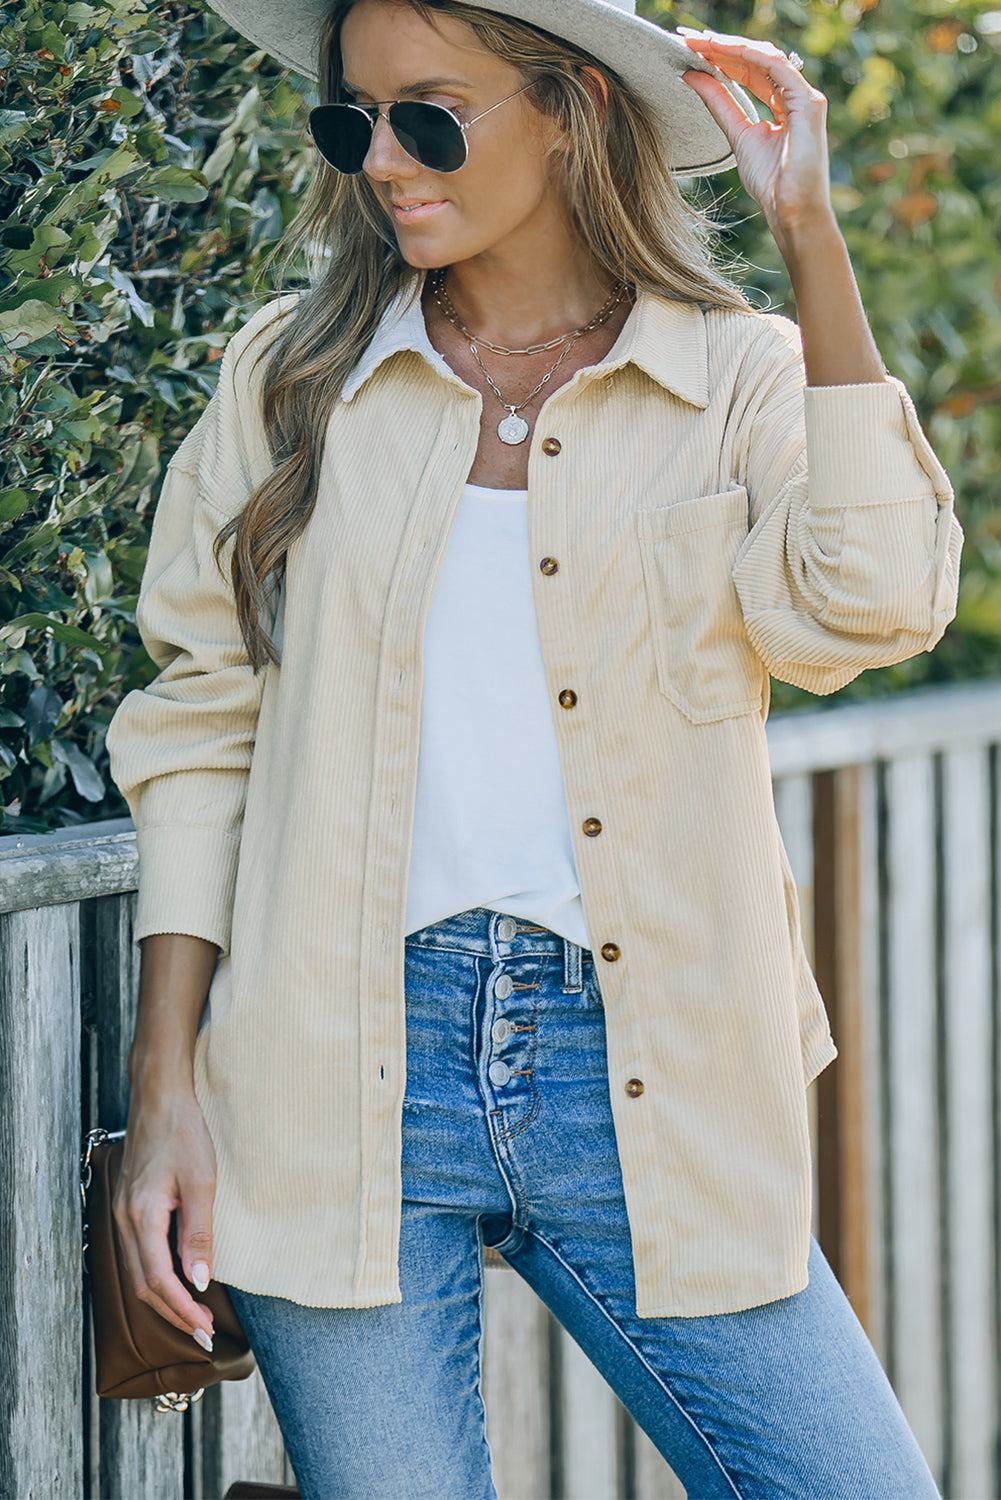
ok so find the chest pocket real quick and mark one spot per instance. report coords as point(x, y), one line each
point(705, 663)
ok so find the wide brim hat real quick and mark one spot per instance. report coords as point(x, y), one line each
point(648, 58)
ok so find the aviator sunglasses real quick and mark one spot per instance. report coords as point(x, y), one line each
point(430, 134)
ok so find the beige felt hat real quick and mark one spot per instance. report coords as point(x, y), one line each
point(648, 58)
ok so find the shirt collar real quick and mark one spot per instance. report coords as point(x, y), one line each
point(664, 338)
point(401, 327)
point(667, 340)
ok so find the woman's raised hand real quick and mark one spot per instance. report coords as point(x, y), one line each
point(783, 162)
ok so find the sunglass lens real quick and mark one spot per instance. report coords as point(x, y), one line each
point(342, 135)
point(429, 134)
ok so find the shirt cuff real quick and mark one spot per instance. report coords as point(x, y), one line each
point(865, 446)
point(187, 881)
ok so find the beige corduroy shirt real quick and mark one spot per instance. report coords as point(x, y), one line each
point(681, 553)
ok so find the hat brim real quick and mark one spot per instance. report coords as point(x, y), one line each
point(648, 58)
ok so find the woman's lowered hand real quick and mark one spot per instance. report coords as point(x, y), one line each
point(169, 1163)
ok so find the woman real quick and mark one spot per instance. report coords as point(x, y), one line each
point(520, 521)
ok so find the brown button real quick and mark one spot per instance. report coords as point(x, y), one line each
point(592, 827)
point(568, 698)
point(611, 952)
point(551, 446)
point(549, 566)
point(634, 1088)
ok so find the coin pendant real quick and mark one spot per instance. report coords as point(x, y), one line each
point(513, 429)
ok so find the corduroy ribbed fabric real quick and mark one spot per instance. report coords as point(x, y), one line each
point(697, 551)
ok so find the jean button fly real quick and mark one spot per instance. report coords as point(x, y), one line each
point(500, 1031)
point(499, 1073)
point(503, 986)
point(507, 928)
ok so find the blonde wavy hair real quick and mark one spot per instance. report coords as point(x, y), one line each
point(618, 191)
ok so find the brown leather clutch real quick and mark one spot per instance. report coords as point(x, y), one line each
point(138, 1353)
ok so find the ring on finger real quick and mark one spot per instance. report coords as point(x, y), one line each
point(795, 61)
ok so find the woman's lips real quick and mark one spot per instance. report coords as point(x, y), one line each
point(411, 213)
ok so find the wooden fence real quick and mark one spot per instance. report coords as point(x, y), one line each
point(890, 812)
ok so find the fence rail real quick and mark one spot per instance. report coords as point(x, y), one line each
point(890, 813)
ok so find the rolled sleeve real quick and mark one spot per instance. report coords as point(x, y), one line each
point(852, 560)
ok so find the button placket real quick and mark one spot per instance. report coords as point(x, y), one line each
point(502, 987)
point(499, 1072)
point(508, 1041)
point(567, 697)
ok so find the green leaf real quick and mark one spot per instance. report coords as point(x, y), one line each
point(28, 323)
point(19, 663)
point(45, 709)
point(142, 42)
point(48, 237)
point(13, 503)
point(119, 163)
point(54, 779)
point(86, 777)
point(34, 542)
point(100, 581)
point(138, 306)
point(63, 287)
point(86, 244)
point(70, 635)
point(129, 104)
point(141, 460)
point(49, 37)
point(177, 184)
point(13, 123)
point(91, 240)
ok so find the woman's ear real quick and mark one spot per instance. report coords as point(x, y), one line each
point(597, 86)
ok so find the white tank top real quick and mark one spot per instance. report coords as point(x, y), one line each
point(491, 825)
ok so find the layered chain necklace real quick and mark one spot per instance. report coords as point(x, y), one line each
point(513, 429)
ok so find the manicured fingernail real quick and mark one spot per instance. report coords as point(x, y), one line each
point(200, 1275)
point(202, 1339)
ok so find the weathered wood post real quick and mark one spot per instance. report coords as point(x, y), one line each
point(41, 1308)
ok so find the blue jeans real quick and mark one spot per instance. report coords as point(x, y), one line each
point(508, 1141)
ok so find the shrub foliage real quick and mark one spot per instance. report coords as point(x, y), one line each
point(149, 159)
